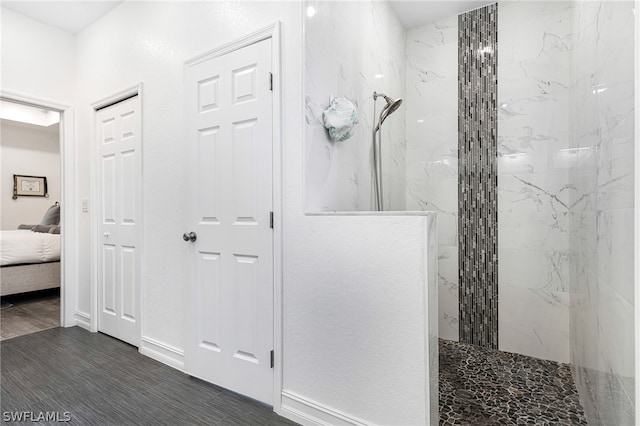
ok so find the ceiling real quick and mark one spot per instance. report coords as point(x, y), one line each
point(419, 12)
point(74, 16)
point(17, 112)
point(69, 16)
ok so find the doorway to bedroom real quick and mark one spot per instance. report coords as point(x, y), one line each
point(30, 238)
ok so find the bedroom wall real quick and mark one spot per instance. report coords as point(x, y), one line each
point(39, 61)
point(29, 150)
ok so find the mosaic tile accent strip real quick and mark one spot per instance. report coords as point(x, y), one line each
point(478, 176)
point(482, 386)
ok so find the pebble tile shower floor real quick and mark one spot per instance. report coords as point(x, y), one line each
point(480, 386)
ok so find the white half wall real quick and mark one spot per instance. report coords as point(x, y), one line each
point(28, 150)
point(356, 318)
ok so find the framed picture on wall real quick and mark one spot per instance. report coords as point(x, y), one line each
point(29, 186)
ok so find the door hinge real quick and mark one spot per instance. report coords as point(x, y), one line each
point(271, 220)
point(271, 81)
point(272, 359)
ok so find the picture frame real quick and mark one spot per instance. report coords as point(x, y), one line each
point(29, 186)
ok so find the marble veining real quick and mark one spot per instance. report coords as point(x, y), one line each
point(432, 149)
point(565, 143)
point(353, 61)
point(601, 217)
point(534, 193)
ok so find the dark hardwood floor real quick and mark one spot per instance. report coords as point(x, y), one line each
point(99, 380)
point(29, 312)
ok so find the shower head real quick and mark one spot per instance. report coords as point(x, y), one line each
point(388, 109)
point(392, 104)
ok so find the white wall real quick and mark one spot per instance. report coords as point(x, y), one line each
point(356, 302)
point(353, 60)
point(37, 59)
point(148, 42)
point(532, 128)
point(432, 149)
point(38, 62)
point(534, 195)
point(30, 150)
point(323, 312)
point(636, 222)
point(602, 220)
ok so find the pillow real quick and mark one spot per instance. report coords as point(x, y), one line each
point(52, 216)
point(42, 228)
point(55, 229)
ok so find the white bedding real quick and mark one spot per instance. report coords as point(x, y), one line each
point(24, 246)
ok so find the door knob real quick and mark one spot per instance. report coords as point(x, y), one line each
point(191, 236)
point(106, 235)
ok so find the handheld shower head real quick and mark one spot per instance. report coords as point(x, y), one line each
point(391, 106)
point(388, 109)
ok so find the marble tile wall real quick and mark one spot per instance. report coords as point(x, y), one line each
point(533, 73)
point(534, 194)
point(601, 222)
point(533, 235)
point(565, 150)
point(432, 149)
point(351, 50)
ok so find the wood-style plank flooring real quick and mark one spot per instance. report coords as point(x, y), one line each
point(103, 381)
point(29, 312)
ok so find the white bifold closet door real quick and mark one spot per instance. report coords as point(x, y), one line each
point(118, 130)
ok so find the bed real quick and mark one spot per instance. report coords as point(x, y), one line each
point(30, 257)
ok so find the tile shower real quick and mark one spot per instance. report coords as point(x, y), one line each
point(338, 175)
point(563, 178)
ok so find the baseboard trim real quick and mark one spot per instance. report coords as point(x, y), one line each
point(161, 352)
point(82, 320)
point(307, 412)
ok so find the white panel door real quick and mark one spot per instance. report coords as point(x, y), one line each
point(119, 175)
point(228, 119)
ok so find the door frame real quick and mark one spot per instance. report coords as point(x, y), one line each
point(135, 90)
point(69, 316)
point(269, 32)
